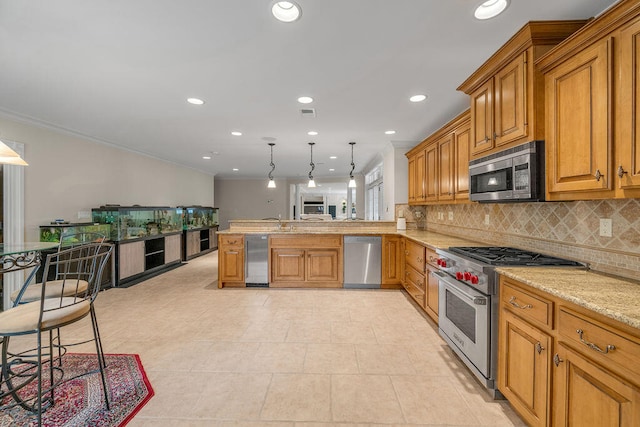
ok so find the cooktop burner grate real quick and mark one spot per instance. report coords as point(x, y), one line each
point(496, 255)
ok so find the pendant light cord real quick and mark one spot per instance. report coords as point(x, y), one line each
point(353, 165)
point(273, 165)
point(313, 166)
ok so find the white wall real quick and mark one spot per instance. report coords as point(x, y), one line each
point(250, 199)
point(68, 174)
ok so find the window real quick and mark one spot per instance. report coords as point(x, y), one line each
point(374, 194)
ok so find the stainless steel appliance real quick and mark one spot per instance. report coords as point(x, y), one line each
point(468, 299)
point(257, 260)
point(362, 262)
point(512, 175)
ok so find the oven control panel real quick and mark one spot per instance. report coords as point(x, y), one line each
point(463, 271)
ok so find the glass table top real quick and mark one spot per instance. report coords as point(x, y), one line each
point(26, 247)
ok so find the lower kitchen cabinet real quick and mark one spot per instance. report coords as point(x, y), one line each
point(431, 284)
point(560, 364)
point(414, 285)
point(392, 260)
point(231, 260)
point(524, 368)
point(305, 261)
point(589, 395)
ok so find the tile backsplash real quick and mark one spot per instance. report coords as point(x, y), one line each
point(566, 229)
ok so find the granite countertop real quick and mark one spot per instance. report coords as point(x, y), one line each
point(614, 297)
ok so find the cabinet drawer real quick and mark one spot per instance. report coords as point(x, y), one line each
point(599, 342)
point(414, 277)
point(432, 257)
point(231, 239)
point(527, 306)
point(414, 255)
point(305, 241)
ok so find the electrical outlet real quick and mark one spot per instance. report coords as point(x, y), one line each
point(606, 227)
point(487, 220)
point(450, 216)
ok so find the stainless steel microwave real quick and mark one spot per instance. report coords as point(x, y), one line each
point(512, 175)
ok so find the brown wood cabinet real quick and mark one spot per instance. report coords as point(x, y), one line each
point(305, 261)
point(560, 364)
point(592, 95)
point(627, 116)
point(231, 260)
point(392, 260)
point(431, 284)
point(506, 92)
point(439, 166)
point(414, 268)
point(578, 144)
point(525, 352)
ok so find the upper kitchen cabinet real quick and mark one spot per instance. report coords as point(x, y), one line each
point(439, 166)
point(507, 91)
point(592, 118)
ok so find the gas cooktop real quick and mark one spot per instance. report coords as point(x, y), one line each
point(504, 256)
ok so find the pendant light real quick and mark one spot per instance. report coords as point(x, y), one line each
point(272, 183)
point(352, 180)
point(10, 157)
point(312, 183)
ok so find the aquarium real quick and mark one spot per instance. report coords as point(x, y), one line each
point(198, 217)
point(132, 222)
point(52, 232)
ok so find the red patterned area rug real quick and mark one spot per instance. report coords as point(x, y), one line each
point(80, 402)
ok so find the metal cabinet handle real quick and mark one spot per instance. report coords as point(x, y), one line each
point(406, 253)
point(419, 259)
point(486, 139)
point(592, 346)
point(598, 175)
point(539, 347)
point(557, 360)
point(495, 136)
point(621, 172)
point(513, 302)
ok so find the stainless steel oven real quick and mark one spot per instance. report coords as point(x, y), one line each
point(468, 301)
point(464, 321)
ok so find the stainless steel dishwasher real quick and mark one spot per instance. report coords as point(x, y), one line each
point(256, 260)
point(362, 262)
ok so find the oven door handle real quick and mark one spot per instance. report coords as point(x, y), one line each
point(457, 289)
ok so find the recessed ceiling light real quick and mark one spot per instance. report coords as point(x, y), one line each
point(286, 11)
point(333, 157)
point(389, 132)
point(490, 8)
point(305, 100)
point(312, 133)
point(418, 98)
point(236, 133)
point(195, 101)
point(332, 170)
point(235, 169)
point(207, 157)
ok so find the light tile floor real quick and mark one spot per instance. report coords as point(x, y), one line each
point(287, 357)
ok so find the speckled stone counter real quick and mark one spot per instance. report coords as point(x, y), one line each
point(613, 297)
point(428, 238)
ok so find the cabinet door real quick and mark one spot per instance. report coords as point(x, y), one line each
point(213, 237)
point(588, 395)
point(523, 368)
point(412, 179)
point(130, 259)
point(287, 265)
point(172, 248)
point(482, 119)
point(414, 284)
point(628, 108)
point(322, 265)
point(446, 168)
point(578, 122)
point(462, 141)
point(231, 264)
point(421, 178)
point(431, 184)
point(431, 295)
point(510, 101)
point(391, 260)
point(193, 243)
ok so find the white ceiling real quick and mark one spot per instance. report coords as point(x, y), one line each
point(119, 72)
